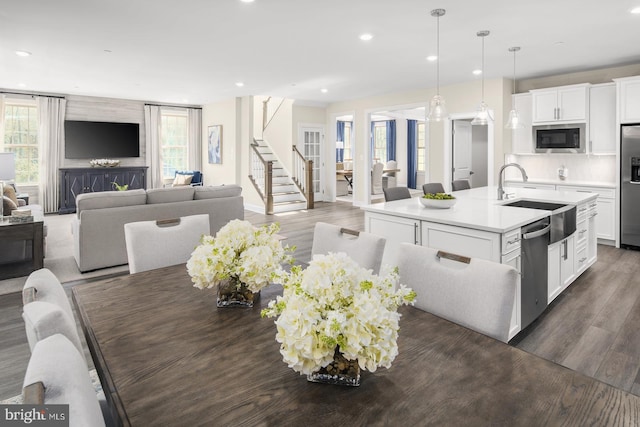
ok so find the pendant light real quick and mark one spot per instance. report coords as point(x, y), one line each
point(514, 118)
point(437, 107)
point(482, 115)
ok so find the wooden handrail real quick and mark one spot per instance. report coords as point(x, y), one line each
point(303, 176)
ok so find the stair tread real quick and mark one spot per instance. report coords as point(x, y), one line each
point(289, 202)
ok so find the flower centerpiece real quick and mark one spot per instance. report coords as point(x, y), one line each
point(241, 259)
point(335, 318)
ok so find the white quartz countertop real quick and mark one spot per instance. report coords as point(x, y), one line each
point(480, 209)
point(570, 183)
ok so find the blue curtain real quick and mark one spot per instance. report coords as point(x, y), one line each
point(340, 137)
point(391, 140)
point(412, 153)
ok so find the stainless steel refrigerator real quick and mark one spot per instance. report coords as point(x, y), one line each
point(630, 186)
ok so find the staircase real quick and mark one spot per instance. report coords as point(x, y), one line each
point(286, 196)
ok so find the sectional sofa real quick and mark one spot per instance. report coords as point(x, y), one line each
point(98, 226)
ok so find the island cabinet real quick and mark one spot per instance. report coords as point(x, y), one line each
point(74, 181)
point(560, 104)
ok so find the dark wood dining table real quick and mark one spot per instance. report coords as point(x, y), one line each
point(167, 356)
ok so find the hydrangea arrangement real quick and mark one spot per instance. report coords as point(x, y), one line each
point(242, 252)
point(335, 303)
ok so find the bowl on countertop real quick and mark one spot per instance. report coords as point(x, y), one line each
point(437, 203)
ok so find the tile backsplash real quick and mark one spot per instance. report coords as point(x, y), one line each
point(580, 167)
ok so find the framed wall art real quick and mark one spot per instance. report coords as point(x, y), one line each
point(215, 144)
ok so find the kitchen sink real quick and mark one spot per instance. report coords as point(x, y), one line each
point(563, 217)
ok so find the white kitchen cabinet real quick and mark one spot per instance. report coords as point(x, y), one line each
point(553, 270)
point(560, 104)
point(602, 118)
point(514, 259)
point(561, 268)
point(522, 139)
point(462, 241)
point(395, 229)
point(628, 91)
point(592, 239)
point(567, 261)
point(604, 214)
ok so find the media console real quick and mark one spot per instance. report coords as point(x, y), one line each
point(74, 181)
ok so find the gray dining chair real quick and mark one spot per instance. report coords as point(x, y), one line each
point(432, 188)
point(471, 292)
point(156, 244)
point(57, 374)
point(396, 193)
point(366, 249)
point(460, 184)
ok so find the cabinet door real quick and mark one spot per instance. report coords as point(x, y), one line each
point(393, 228)
point(544, 106)
point(553, 278)
point(96, 181)
point(462, 241)
point(118, 177)
point(630, 101)
point(592, 239)
point(602, 119)
point(572, 104)
point(136, 179)
point(605, 219)
point(514, 259)
point(567, 261)
point(522, 139)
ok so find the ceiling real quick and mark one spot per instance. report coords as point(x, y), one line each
point(194, 52)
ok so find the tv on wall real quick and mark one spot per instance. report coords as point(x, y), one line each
point(101, 140)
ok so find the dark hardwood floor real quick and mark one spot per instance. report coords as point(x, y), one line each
point(593, 327)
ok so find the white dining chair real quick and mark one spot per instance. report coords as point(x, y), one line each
point(156, 244)
point(43, 285)
point(376, 178)
point(389, 179)
point(57, 374)
point(365, 249)
point(43, 319)
point(471, 292)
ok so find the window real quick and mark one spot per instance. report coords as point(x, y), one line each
point(422, 146)
point(21, 137)
point(347, 153)
point(380, 142)
point(174, 138)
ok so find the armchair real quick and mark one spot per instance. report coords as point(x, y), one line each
point(181, 178)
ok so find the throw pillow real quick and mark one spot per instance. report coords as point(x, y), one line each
point(10, 192)
point(182, 180)
point(8, 206)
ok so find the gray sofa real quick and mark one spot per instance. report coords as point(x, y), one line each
point(98, 227)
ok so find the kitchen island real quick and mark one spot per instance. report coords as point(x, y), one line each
point(481, 226)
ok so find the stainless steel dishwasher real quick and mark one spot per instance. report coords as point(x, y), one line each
point(535, 263)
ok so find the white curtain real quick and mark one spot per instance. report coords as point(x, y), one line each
point(51, 112)
point(2, 118)
point(152, 123)
point(195, 138)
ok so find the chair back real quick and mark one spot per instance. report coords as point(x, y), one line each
point(57, 374)
point(396, 193)
point(460, 184)
point(432, 188)
point(376, 178)
point(44, 319)
point(391, 164)
point(197, 176)
point(43, 285)
point(366, 249)
point(156, 244)
point(471, 292)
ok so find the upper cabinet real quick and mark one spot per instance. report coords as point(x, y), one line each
point(602, 118)
point(560, 104)
point(522, 139)
point(629, 99)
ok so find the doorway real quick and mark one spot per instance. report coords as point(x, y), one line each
point(312, 138)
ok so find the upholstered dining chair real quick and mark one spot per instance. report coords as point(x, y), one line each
point(432, 188)
point(366, 249)
point(155, 244)
point(471, 292)
point(376, 178)
point(460, 184)
point(43, 285)
point(396, 193)
point(57, 374)
point(44, 319)
point(389, 179)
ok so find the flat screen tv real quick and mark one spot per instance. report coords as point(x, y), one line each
point(101, 140)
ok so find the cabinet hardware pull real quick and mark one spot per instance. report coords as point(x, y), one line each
point(511, 242)
point(582, 259)
point(415, 233)
point(593, 214)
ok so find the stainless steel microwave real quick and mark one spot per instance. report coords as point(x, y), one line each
point(560, 138)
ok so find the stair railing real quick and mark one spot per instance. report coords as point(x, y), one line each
point(302, 175)
point(262, 177)
point(267, 116)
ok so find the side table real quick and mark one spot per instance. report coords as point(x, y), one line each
point(23, 196)
point(29, 234)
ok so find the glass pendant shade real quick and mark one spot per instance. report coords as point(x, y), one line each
point(437, 109)
point(482, 115)
point(514, 120)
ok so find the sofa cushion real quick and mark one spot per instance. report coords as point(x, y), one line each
point(10, 192)
point(181, 179)
point(8, 206)
point(169, 195)
point(110, 199)
point(215, 192)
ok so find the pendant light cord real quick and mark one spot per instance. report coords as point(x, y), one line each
point(483, 68)
point(438, 55)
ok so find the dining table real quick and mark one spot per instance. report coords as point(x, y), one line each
point(167, 356)
point(347, 174)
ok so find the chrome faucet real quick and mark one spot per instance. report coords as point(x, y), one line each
point(501, 192)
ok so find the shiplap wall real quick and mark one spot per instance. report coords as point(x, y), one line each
point(107, 110)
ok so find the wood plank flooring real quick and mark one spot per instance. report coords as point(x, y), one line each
point(593, 327)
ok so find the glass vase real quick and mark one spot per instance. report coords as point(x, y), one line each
point(341, 372)
point(233, 293)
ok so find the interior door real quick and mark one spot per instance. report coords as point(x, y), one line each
point(461, 159)
point(312, 141)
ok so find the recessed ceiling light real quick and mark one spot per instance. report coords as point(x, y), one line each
point(247, 1)
point(366, 37)
point(22, 85)
point(239, 84)
point(432, 58)
point(324, 90)
point(635, 10)
point(477, 72)
point(23, 53)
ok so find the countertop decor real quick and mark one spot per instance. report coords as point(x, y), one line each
point(437, 200)
point(334, 307)
point(104, 163)
point(239, 261)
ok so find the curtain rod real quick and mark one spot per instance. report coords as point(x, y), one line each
point(32, 94)
point(173, 106)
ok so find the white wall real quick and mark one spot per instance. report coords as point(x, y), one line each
point(221, 113)
point(479, 147)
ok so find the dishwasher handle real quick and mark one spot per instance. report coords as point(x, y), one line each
point(534, 234)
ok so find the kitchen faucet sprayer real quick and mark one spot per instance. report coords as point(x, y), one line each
point(501, 178)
